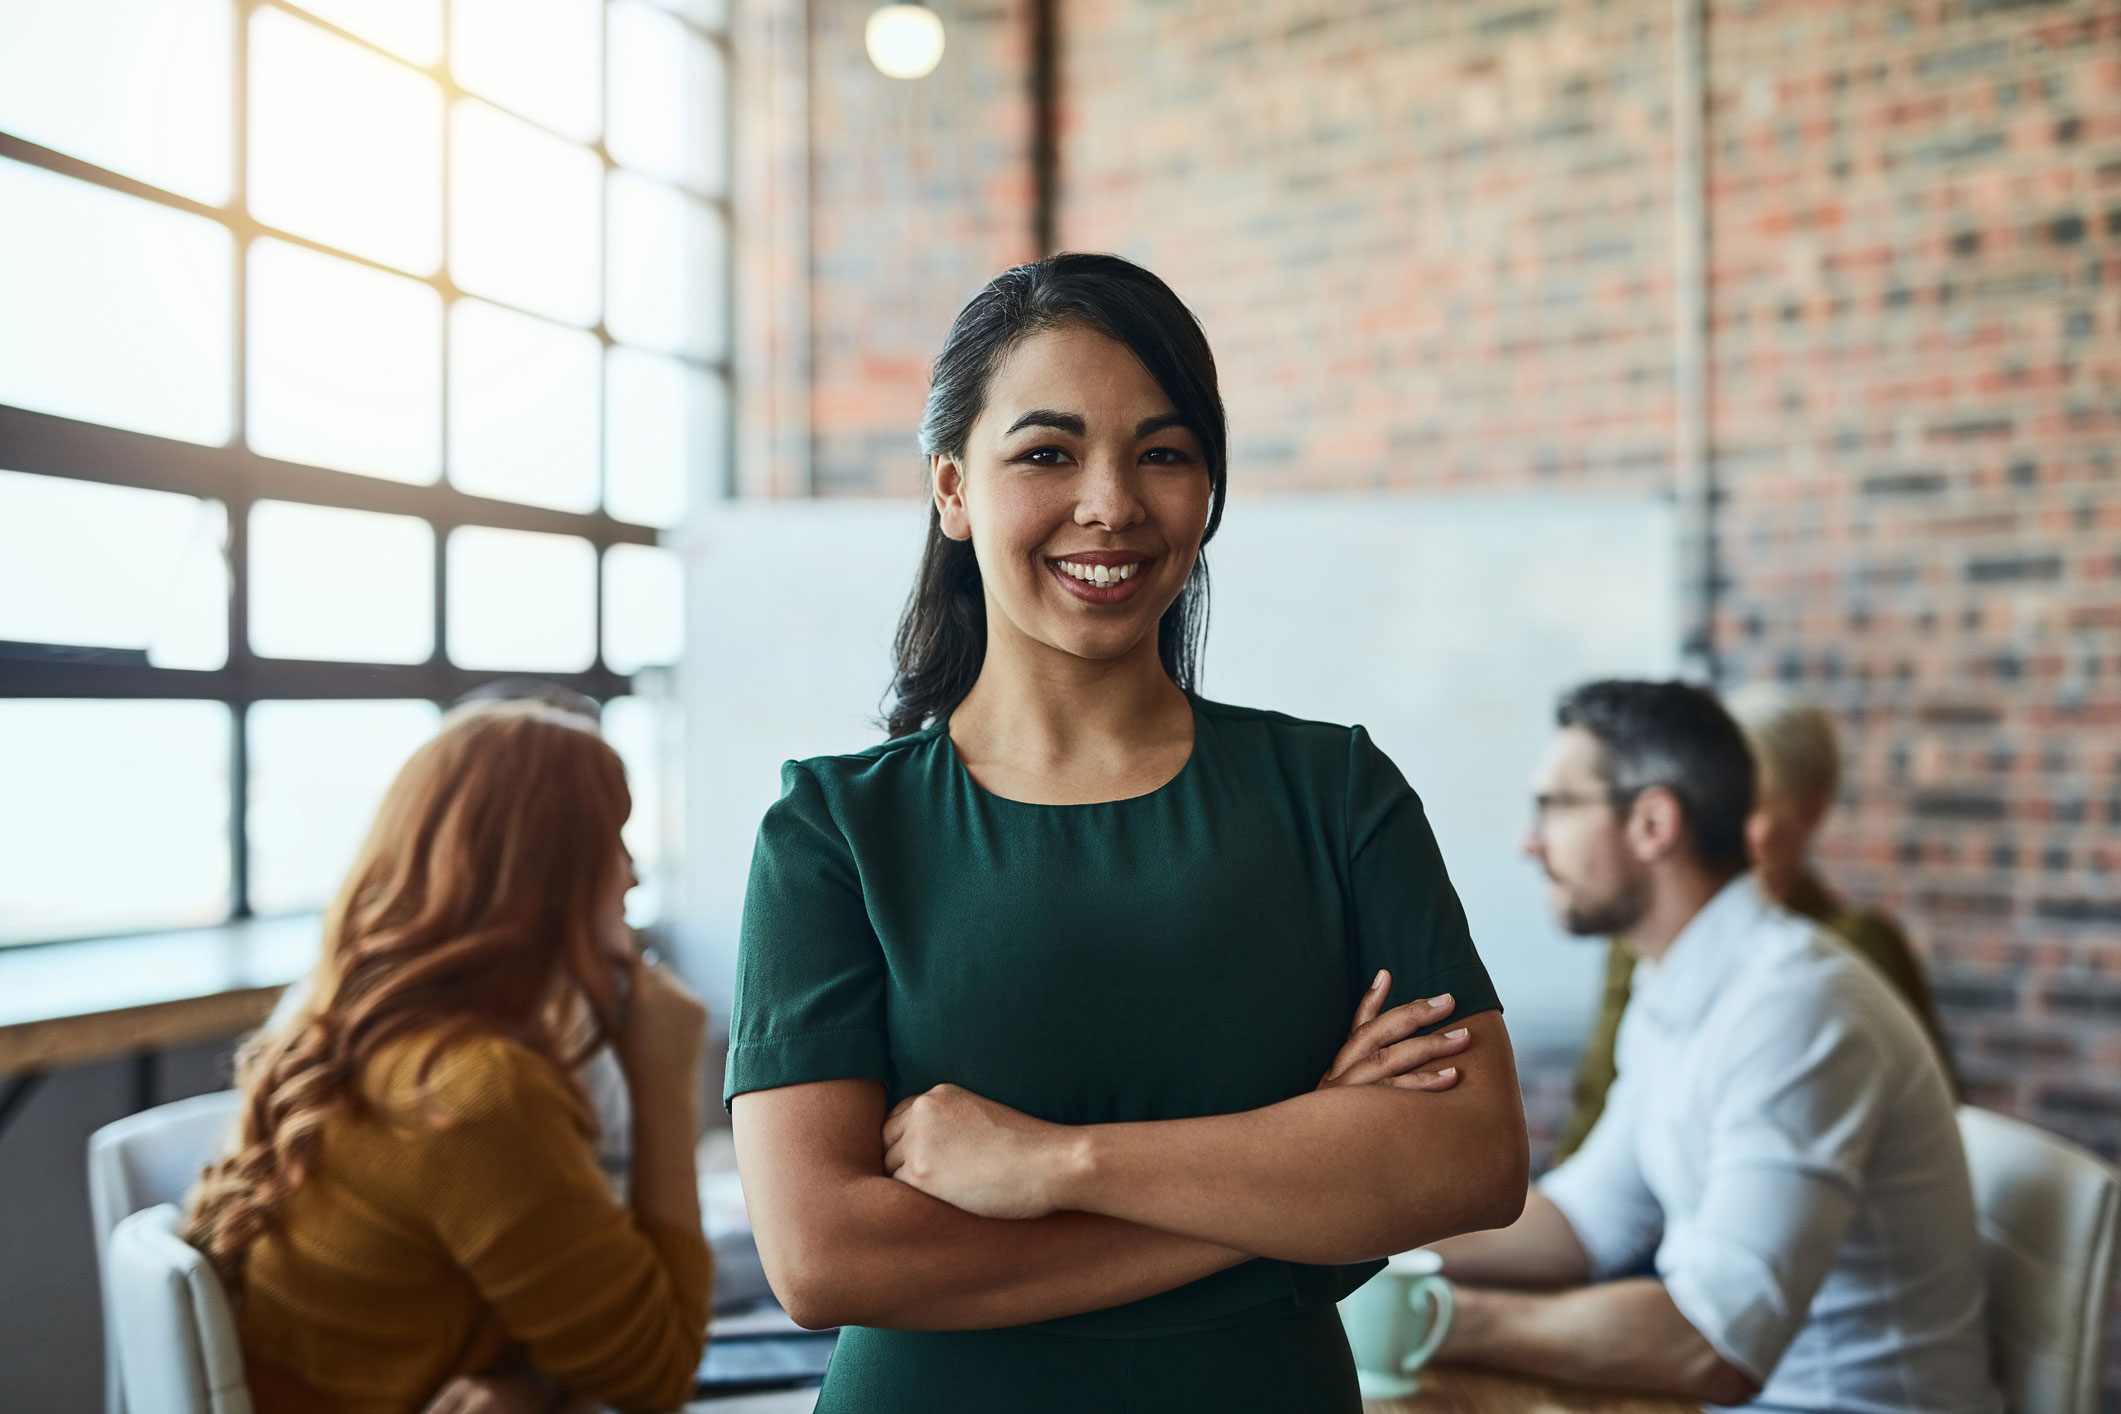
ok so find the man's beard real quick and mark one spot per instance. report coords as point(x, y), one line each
point(1616, 913)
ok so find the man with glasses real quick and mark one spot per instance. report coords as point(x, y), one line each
point(1780, 1140)
point(1797, 761)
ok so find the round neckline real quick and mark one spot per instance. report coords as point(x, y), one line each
point(957, 762)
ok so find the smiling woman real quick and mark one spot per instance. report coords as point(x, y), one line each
point(1034, 999)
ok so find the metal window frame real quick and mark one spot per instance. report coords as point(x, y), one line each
point(45, 444)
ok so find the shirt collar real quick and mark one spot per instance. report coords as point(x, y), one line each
point(1702, 958)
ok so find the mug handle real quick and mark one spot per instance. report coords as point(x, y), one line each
point(1438, 1290)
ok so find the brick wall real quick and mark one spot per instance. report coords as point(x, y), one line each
point(1430, 243)
point(1916, 316)
point(920, 190)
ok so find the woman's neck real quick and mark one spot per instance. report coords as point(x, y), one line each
point(1045, 726)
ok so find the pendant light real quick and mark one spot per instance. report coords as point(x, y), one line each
point(904, 41)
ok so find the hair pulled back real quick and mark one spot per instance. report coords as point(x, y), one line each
point(475, 907)
point(942, 634)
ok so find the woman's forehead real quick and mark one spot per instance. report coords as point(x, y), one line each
point(1077, 370)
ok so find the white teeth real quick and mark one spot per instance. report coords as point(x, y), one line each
point(1099, 574)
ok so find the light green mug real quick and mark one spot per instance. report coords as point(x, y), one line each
point(1395, 1321)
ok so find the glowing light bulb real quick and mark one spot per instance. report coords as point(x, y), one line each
point(904, 41)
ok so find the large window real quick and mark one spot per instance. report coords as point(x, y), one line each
point(356, 353)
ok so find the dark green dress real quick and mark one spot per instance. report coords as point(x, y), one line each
point(1197, 950)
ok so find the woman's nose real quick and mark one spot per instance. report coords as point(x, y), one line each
point(1109, 497)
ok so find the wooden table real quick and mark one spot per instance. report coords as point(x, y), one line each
point(67, 1004)
point(1445, 1390)
point(1456, 1390)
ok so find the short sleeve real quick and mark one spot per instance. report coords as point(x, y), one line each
point(810, 971)
point(1407, 917)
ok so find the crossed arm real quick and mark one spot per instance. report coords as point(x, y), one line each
point(994, 1218)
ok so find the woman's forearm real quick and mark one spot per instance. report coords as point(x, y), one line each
point(666, 1185)
point(844, 1245)
point(1334, 1176)
point(900, 1259)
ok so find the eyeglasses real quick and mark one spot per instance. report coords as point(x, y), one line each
point(1548, 803)
point(1554, 802)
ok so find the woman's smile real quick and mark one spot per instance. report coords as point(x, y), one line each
point(1100, 576)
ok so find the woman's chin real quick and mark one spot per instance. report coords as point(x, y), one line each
point(1100, 647)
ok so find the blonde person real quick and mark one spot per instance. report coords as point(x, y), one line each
point(414, 1216)
point(1798, 756)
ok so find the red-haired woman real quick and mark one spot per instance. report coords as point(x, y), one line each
point(414, 1216)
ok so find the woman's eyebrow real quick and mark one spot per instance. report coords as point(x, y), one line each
point(1045, 417)
point(1149, 426)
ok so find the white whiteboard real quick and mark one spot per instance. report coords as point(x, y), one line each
point(1446, 625)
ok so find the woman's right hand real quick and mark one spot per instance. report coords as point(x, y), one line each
point(663, 1033)
point(1382, 1048)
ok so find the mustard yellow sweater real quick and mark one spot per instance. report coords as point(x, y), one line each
point(418, 1251)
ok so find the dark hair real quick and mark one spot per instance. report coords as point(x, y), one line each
point(942, 635)
point(1678, 736)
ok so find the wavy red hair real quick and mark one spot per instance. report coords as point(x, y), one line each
point(478, 905)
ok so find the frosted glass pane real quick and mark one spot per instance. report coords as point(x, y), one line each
point(644, 607)
point(668, 99)
point(113, 309)
point(648, 735)
point(116, 818)
point(345, 145)
point(345, 365)
point(409, 28)
point(113, 567)
point(664, 435)
point(523, 407)
point(523, 215)
point(521, 601)
point(539, 58)
point(138, 86)
point(667, 260)
point(340, 585)
point(317, 772)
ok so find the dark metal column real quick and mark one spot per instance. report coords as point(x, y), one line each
point(1045, 125)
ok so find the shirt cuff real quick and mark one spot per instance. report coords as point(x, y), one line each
point(1731, 1297)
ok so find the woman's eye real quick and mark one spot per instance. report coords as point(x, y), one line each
point(1045, 456)
point(1166, 456)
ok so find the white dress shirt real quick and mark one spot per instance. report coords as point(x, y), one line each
point(1782, 1138)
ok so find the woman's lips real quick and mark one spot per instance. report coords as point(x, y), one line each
point(1116, 591)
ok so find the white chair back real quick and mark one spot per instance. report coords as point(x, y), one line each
point(175, 1336)
point(2050, 1215)
point(152, 1157)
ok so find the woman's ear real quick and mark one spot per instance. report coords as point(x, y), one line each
point(949, 480)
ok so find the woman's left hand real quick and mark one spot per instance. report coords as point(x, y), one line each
point(975, 1154)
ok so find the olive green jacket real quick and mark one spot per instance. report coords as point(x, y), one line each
point(1873, 936)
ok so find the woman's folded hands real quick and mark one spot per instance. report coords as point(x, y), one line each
point(996, 1162)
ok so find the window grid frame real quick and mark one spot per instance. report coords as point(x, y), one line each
point(48, 444)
